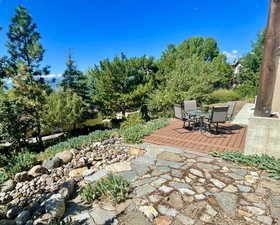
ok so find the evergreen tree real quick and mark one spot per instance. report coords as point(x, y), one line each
point(26, 54)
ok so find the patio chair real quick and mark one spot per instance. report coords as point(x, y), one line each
point(190, 105)
point(231, 108)
point(218, 114)
point(180, 114)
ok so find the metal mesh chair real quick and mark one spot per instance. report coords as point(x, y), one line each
point(231, 108)
point(180, 114)
point(218, 114)
point(190, 105)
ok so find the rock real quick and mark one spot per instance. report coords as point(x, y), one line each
point(227, 201)
point(80, 172)
point(65, 156)
point(55, 206)
point(265, 220)
point(167, 211)
point(101, 216)
point(196, 172)
point(185, 220)
point(38, 170)
point(135, 218)
point(144, 190)
point(175, 200)
point(230, 188)
point(29, 222)
point(45, 219)
point(163, 220)
point(149, 211)
point(136, 151)
point(243, 188)
point(255, 210)
point(67, 189)
point(23, 217)
point(7, 186)
point(52, 163)
point(97, 176)
point(7, 222)
point(22, 176)
point(165, 189)
point(217, 183)
point(13, 212)
point(119, 167)
point(170, 156)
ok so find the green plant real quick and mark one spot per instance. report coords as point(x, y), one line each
point(223, 95)
point(264, 162)
point(132, 120)
point(3, 177)
point(116, 188)
point(135, 133)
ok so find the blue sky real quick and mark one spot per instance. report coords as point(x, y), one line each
point(97, 29)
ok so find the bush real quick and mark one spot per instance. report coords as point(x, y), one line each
point(16, 163)
point(263, 162)
point(223, 95)
point(135, 133)
point(132, 120)
point(116, 188)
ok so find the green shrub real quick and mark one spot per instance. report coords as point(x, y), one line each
point(135, 133)
point(264, 162)
point(223, 95)
point(116, 188)
point(132, 120)
point(3, 177)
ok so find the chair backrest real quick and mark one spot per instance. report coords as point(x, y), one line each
point(231, 107)
point(218, 114)
point(178, 111)
point(190, 105)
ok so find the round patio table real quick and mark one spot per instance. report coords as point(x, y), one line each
point(198, 115)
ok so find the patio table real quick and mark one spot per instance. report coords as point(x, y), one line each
point(199, 115)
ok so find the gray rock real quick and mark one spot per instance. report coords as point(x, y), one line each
point(55, 206)
point(67, 189)
point(129, 175)
point(265, 220)
point(97, 176)
point(13, 212)
point(22, 176)
point(218, 183)
point(38, 170)
point(196, 172)
point(143, 190)
point(29, 222)
point(23, 217)
point(175, 165)
point(65, 156)
point(7, 186)
point(227, 201)
point(7, 222)
point(102, 216)
point(135, 218)
point(167, 211)
point(52, 163)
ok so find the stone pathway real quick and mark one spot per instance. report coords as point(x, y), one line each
point(176, 187)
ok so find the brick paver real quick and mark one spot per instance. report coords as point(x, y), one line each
point(233, 139)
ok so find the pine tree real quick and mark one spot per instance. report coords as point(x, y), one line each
point(26, 54)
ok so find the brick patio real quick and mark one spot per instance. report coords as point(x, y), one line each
point(176, 136)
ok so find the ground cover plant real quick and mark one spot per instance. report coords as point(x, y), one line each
point(264, 162)
point(113, 187)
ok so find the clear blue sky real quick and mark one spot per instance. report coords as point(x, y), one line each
point(96, 29)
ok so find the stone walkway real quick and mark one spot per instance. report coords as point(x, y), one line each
point(176, 187)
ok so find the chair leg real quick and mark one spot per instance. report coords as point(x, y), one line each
point(217, 124)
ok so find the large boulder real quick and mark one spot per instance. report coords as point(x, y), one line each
point(55, 206)
point(37, 171)
point(80, 172)
point(65, 156)
point(67, 189)
point(22, 176)
point(13, 212)
point(52, 163)
point(9, 185)
point(23, 217)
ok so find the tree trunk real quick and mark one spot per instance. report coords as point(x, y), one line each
point(269, 64)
